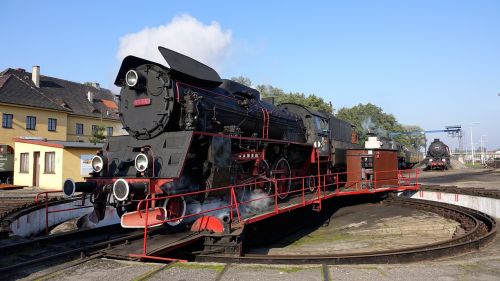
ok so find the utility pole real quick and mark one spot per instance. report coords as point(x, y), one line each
point(483, 160)
point(472, 142)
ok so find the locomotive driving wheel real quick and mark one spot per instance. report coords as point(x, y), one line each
point(311, 183)
point(236, 177)
point(281, 172)
point(263, 177)
point(176, 208)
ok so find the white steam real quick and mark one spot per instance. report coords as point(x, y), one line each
point(185, 34)
point(372, 127)
point(260, 203)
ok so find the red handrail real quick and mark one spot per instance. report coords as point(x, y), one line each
point(47, 211)
point(234, 205)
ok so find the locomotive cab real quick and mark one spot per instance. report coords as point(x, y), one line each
point(316, 126)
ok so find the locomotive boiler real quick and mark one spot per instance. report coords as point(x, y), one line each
point(438, 156)
point(189, 130)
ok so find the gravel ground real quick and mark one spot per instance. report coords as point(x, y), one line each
point(365, 228)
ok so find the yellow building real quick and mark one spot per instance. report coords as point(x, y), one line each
point(47, 164)
point(37, 106)
point(42, 108)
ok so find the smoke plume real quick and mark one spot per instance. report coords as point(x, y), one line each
point(207, 43)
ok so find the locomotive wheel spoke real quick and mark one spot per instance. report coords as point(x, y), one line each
point(263, 171)
point(282, 173)
point(311, 183)
point(236, 178)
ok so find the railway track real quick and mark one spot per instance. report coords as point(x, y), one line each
point(478, 227)
point(66, 245)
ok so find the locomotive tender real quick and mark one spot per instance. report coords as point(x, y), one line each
point(190, 130)
point(438, 156)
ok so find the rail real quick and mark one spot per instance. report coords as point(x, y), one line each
point(249, 202)
point(479, 229)
point(46, 206)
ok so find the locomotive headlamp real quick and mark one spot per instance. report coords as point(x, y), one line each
point(430, 160)
point(444, 160)
point(141, 162)
point(97, 163)
point(132, 78)
point(317, 144)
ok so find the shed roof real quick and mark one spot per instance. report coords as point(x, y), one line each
point(16, 87)
point(60, 144)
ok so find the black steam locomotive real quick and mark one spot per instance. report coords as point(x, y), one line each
point(438, 156)
point(189, 130)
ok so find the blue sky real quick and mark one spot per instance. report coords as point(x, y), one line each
point(430, 63)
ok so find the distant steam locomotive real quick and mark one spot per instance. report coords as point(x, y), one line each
point(189, 130)
point(438, 156)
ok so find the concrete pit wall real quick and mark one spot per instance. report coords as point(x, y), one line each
point(490, 206)
point(33, 223)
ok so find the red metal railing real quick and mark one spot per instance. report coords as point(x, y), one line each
point(47, 211)
point(326, 186)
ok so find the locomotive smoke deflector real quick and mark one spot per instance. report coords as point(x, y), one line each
point(182, 67)
point(190, 70)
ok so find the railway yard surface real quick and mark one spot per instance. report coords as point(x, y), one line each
point(351, 229)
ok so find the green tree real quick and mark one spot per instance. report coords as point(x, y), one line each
point(243, 80)
point(98, 135)
point(415, 141)
point(369, 118)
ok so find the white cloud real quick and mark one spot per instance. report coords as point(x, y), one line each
point(185, 34)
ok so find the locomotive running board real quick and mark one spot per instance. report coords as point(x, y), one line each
point(156, 217)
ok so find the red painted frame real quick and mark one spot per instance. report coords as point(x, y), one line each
point(47, 211)
point(406, 181)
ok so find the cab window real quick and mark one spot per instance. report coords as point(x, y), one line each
point(321, 124)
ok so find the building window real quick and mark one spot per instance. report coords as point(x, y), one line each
point(7, 120)
point(30, 122)
point(24, 163)
point(50, 162)
point(79, 129)
point(109, 131)
point(52, 124)
point(95, 130)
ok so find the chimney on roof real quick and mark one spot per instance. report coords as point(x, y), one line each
point(96, 85)
point(90, 96)
point(35, 75)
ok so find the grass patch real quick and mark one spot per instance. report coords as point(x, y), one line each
point(320, 238)
point(290, 269)
point(192, 265)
